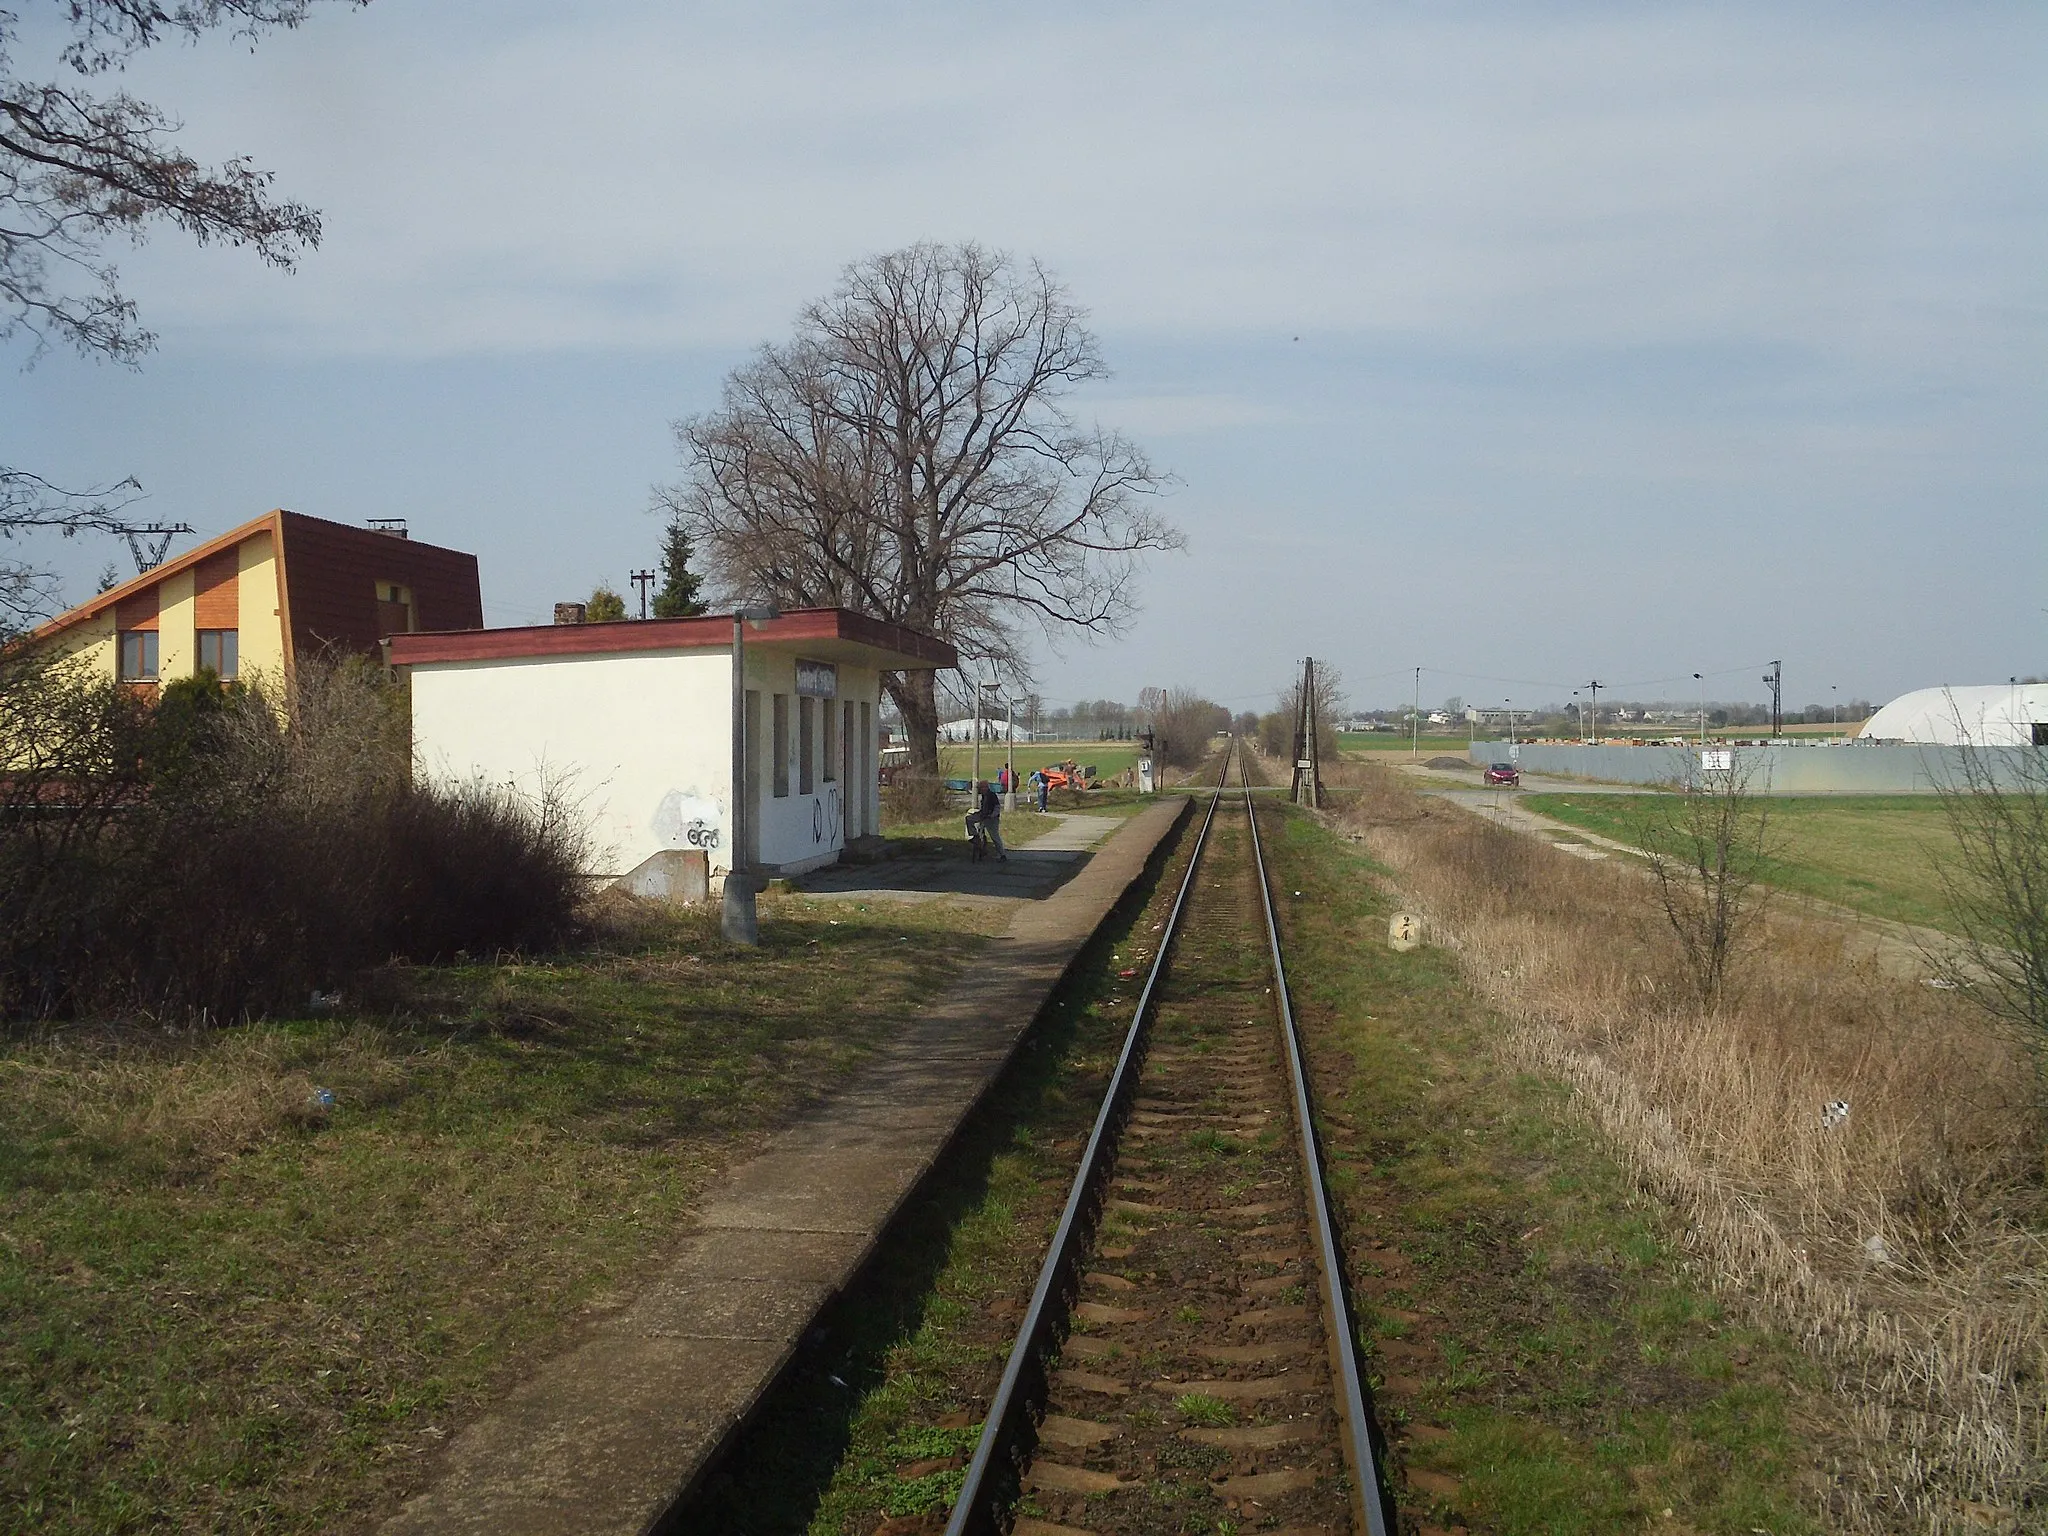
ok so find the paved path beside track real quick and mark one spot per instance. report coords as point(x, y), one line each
point(603, 1438)
point(1030, 873)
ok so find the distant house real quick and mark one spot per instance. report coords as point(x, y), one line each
point(264, 595)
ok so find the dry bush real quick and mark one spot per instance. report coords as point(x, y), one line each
point(914, 799)
point(1184, 728)
point(227, 853)
point(1904, 1243)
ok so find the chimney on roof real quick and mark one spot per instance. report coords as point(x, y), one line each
point(395, 526)
point(571, 613)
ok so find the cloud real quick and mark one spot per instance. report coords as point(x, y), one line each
point(644, 177)
point(1146, 416)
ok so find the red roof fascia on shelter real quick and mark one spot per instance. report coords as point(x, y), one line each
point(822, 628)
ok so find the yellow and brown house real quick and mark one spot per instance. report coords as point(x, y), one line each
point(262, 596)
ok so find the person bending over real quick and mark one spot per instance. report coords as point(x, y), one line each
point(987, 818)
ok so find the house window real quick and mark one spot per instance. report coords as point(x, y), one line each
point(217, 652)
point(831, 709)
point(394, 610)
point(781, 746)
point(138, 655)
point(806, 744)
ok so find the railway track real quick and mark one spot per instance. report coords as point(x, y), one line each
point(1187, 1351)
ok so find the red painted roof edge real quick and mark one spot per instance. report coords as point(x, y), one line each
point(710, 631)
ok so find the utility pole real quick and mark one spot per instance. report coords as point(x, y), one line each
point(1595, 686)
point(1010, 752)
point(643, 580)
point(738, 919)
point(1776, 678)
point(975, 785)
point(1308, 770)
point(1700, 678)
point(1415, 720)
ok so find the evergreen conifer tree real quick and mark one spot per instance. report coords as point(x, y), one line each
point(677, 598)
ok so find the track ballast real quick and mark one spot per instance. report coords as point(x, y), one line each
point(1187, 1350)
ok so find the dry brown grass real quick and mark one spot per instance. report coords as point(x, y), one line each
point(177, 1103)
point(1906, 1245)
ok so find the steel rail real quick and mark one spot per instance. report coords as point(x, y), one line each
point(1008, 1432)
point(1369, 1502)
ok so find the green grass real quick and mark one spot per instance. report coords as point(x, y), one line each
point(1876, 853)
point(1107, 758)
point(225, 1308)
point(1576, 1377)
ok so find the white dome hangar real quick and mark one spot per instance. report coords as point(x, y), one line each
point(2002, 715)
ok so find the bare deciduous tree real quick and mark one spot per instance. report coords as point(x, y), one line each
point(908, 453)
point(1186, 725)
point(79, 169)
point(1707, 848)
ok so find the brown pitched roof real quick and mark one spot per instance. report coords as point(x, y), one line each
point(326, 576)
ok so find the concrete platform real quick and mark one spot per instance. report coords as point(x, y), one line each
point(603, 1438)
point(1031, 873)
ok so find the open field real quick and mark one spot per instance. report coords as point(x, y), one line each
point(224, 1307)
point(1545, 1357)
point(1108, 758)
point(1382, 741)
point(1876, 853)
point(1848, 1156)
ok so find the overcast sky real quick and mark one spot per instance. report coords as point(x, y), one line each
point(1525, 343)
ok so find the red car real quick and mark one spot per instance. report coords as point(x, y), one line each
point(1504, 773)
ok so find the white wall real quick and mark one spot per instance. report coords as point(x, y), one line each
point(642, 741)
point(802, 830)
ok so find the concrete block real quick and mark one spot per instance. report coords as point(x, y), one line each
point(676, 875)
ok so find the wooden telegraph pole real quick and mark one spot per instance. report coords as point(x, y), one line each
point(1308, 757)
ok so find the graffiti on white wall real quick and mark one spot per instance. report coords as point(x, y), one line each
point(685, 819)
point(825, 816)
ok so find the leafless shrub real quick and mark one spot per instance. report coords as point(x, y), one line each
point(913, 799)
point(1185, 726)
point(1847, 1150)
point(227, 853)
point(1706, 847)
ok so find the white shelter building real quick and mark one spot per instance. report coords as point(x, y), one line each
point(2001, 715)
point(632, 722)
